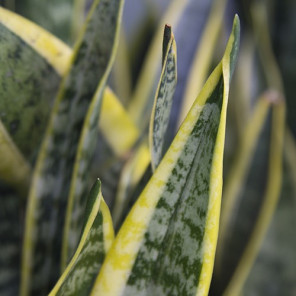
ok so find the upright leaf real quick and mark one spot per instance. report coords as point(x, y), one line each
point(142, 99)
point(96, 238)
point(167, 244)
point(91, 64)
point(163, 98)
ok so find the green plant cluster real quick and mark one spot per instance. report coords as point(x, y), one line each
point(130, 164)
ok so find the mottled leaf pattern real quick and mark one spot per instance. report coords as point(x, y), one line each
point(142, 101)
point(47, 201)
point(163, 98)
point(167, 243)
point(45, 44)
point(25, 95)
point(95, 241)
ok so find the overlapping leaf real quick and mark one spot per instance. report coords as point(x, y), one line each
point(167, 243)
point(95, 241)
point(90, 64)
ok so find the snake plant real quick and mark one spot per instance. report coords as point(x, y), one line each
point(110, 186)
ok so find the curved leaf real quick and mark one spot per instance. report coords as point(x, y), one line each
point(96, 238)
point(25, 95)
point(91, 62)
point(166, 245)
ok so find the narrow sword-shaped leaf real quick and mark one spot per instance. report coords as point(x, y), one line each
point(25, 95)
point(166, 245)
point(91, 61)
point(270, 199)
point(96, 238)
point(163, 98)
point(147, 81)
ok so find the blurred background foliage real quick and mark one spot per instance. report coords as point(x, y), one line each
point(267, 62)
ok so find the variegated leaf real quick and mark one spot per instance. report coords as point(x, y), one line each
point(142, 101)
point(91, 62)
point(25, 95)
point(54, 15)
point(96, 238)
point(166, 245)
point(163, 98)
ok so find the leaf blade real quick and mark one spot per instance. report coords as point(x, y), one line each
point(95, 241)
point(163, 98)
point(133, 260)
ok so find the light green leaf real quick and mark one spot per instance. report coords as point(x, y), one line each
point(91, 63)
point(163, 98)
point(167, 244)
point(96, 238)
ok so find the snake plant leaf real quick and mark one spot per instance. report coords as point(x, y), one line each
point(10, 241)
point(167, 244)
point(14, 169)
point(142, 100)
point(193, 19)
point(250, 202)
point(91, 63)
point(163, 98)
point(25, 95)
point(115, 124)
point(96, 238)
